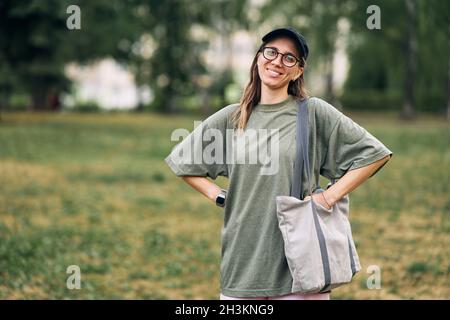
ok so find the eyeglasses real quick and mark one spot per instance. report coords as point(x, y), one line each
point(287, 59)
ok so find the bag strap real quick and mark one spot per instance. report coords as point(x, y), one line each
point(302, 159)
point(302, 147)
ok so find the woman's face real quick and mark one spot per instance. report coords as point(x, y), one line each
point(274, 74)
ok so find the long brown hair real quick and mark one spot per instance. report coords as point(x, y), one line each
point(252, 93)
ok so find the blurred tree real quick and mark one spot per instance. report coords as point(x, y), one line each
point(431, 88)
point(155, 39)
point(326, 34)
point(374, 55)
point(162, 42)
point(178, 33)
point(36, 43)
point(378, 71)
point(448, 74)
point(6, 85)
point(411, 59)
point(225, 18)
point(173, 64)
point(403, 66)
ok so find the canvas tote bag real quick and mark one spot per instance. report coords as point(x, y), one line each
point(318, 242)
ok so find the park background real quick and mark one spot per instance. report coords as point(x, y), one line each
point(86, 117)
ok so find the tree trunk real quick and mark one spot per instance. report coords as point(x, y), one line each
point(3, 102)
point(171, 99)
point(39, 99)
point(329, 75)
point(140, 107)
point(205, 103)
point(140, 80)
point(448, 77)
point(226, 51)
point(54, 101)
point(140, 98)
point(411, 61)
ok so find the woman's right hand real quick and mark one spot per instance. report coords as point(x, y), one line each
point(319, 198)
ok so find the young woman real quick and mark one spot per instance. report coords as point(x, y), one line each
point(253, 264)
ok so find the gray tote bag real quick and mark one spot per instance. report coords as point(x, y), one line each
point(318, 242)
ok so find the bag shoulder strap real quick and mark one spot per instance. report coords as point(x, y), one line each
point(302, 147)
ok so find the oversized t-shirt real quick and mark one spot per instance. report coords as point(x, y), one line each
point(253, 262)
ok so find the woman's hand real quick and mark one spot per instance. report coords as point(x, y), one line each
point(319, 198)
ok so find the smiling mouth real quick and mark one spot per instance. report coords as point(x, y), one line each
point(274, 73)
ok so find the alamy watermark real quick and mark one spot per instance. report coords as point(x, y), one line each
point(74, 280)
point(73, 22)
point(374, 20)
point(374, 280)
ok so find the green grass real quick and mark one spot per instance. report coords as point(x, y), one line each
point(93, 190)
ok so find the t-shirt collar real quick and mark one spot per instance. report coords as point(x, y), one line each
point(274, 106)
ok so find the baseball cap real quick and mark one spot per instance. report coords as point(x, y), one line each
point(290, 32)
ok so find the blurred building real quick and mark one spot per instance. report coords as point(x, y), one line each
point(105, 82)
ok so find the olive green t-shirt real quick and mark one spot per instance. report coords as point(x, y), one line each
point(253, 262)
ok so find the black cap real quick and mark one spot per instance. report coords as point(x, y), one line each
point(299, 40)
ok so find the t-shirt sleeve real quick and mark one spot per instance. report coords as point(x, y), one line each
point(349, 147)
point(202, 152)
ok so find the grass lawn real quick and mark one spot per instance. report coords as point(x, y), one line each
point(93, 190)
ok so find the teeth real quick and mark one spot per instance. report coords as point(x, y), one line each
point(274, 72)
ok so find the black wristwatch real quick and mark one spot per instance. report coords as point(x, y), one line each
point(220, 199)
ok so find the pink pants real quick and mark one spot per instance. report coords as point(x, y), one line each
point(291, 296)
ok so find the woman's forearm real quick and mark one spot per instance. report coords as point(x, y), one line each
point(204, 186)
point(351, 180)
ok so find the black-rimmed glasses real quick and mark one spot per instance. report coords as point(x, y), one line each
point(271, 53)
